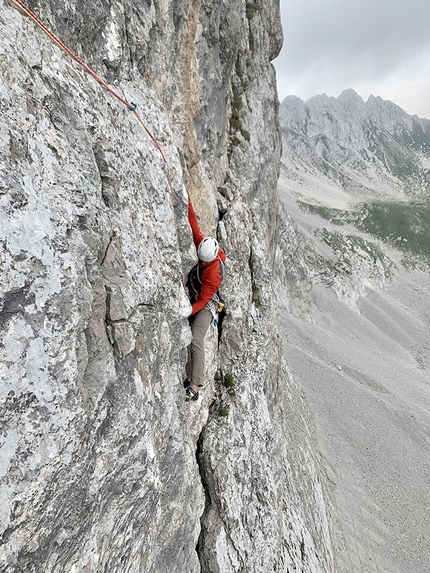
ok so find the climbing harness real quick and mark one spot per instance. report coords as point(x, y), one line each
point(130, 105)
point(193, 285)
point(215, 307)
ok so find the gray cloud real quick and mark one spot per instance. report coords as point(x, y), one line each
point(374, 46)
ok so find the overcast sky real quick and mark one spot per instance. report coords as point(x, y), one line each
point(379, 47)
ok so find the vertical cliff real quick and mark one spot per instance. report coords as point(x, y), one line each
point(99, 468)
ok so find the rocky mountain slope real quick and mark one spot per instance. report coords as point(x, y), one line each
point(103, 466)
point(354, 243)
point(364, 168)
point(371, 147)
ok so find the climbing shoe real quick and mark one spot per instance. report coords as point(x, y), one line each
point(187, 383)
point(191, 395)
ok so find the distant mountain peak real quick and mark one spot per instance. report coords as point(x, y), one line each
point(371, 148)
point(292, 98)
point(350, 95)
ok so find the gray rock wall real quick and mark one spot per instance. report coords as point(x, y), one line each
point(98, 451)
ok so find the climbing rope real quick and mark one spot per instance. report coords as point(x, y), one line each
point(130, 105)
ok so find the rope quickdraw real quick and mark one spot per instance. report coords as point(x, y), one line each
point(130, 105)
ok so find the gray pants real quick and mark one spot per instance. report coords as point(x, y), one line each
point(196, 351)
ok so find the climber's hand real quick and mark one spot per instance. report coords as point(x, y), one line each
point(185, 308)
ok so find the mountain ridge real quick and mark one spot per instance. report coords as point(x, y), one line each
point(364, 147)
point(369, 166)
point(355, 246)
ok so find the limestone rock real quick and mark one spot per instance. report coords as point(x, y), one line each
point(98, 467)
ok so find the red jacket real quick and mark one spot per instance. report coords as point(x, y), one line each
point(211, 276)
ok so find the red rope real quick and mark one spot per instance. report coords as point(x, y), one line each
point(131, 106)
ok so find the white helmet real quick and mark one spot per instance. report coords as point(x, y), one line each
point(208, 249)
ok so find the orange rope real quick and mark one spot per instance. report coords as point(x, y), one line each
point(130, 105)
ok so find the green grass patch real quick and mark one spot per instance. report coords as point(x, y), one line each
point(236, 106)
point(335, 216)
point(236, 102)
point(351, 244)
point(236, 123)
point(238, 69)
point(251, 42)
point(406, 226)
point(254, 288)
point(252, 8)
point(346, 246)
point(256, 295)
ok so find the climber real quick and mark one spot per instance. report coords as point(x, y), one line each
point(203, 282)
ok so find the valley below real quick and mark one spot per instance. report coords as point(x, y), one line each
point(357, 338)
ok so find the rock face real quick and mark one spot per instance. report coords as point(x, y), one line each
point(98, 450)
point(355, 246)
